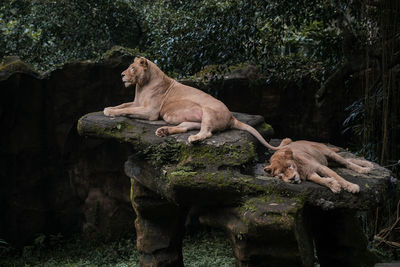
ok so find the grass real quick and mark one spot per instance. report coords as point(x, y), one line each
point(207, 248)
point(204, 248)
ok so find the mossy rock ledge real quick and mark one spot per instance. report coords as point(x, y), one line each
point(220, 181)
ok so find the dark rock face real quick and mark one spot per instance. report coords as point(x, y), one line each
point(269, 222)
point(159, 228)
point(288, 106)
point(50, 177)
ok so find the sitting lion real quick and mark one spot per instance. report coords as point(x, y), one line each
point(309, 161)
point(158, 96)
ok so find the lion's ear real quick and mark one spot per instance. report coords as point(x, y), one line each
point(285, 142)
point(143, 62)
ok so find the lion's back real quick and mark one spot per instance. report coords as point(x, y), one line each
point(185, 92)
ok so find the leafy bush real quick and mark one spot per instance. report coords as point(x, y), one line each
point(184, 36)
point(181, 36)
point(46, 33)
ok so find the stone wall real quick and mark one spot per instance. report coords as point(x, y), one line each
point(289, 107)
point(51, 179)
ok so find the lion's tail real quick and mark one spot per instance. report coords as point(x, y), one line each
point(245, 127)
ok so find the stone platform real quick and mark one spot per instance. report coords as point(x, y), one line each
point(220, 181)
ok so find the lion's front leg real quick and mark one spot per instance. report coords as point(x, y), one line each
point(124, 105)
point(349, 187)
point(134, 112)
point(329, 182)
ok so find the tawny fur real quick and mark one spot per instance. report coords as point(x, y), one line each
point(309, 161)
point(158, 96)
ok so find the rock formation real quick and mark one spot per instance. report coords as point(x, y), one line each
point(52, 180)
point(269, 222)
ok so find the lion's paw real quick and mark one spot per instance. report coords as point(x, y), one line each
point(364, 170)
point(352, 188)
point(193, 139)
point(162, 132)
point(333, 185)
point(108, 112)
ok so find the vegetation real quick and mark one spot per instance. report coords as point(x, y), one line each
point(351, 43)
point(49, 33)
point(202, 248)
point(346, 45)
point(181, 36)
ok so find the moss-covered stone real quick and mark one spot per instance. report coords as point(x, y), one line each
point(270, 209)
point(12, 64)
point(221, 172)
point(227, 155)
point(265, 127)
point(236, 151)
point(116, 51)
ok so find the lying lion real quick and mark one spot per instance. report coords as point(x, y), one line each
point(309, 161)
point(158, 96)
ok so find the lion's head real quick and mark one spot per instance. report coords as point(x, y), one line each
point(136, 73)
point(282, 165)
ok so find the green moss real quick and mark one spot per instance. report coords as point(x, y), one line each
point(248, 206)
point(265, 127)
point(131, 193)
point(283, 219)
point(119, 50)
point(115, 132)
point(11, 65)
point(161, 154)
point(227, 155)
point(183, 173)
point(227, 180)
point(16, 65)
point(205, 179)
point(269, 209)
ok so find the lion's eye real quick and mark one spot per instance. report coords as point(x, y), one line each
point(132, 68)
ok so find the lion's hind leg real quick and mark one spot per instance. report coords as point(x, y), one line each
point(329, 182)
point(352, 164)
point(181, 128)
point(360, 162)
point(209, 123)
point(205, 132)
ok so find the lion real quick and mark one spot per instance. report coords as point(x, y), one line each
point(159, 96)
point(309, 161)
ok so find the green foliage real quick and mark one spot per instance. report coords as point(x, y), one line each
point(184, 36)
point(48, 33)
point(207, 248)
point(4, 247)
point(204, 248)
point(374, 117)
point(180, 36)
